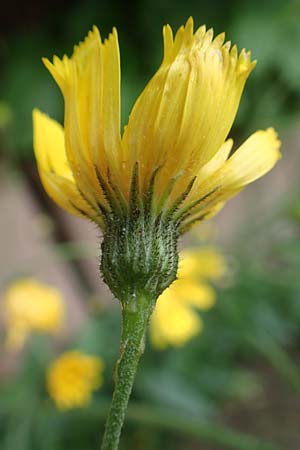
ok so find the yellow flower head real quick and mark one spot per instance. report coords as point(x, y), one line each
point(175, 319)
point(72, 378)
point(168, 170)
point(30, 306)
point(173, 155)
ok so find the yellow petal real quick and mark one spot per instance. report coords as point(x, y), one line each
point(90, 83)
point(216, 162)
point(49, 145)
point(184, 114)
point(66, 195)
point(54, 169)
point(194, 293)
point(255, 157)
point(110, 116)
point(188, 266)
point(173, 323)
point(207, 262)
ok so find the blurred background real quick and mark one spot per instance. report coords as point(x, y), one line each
point(232, 381)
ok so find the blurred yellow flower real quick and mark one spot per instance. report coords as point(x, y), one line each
point(72, 378)
point(174, 147)
point(175, 319)
point(30, 306)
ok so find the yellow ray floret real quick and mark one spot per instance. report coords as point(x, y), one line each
point(185, 112)
point(54, 168)
point(175, 140)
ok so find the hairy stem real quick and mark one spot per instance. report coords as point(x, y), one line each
point(136, 314)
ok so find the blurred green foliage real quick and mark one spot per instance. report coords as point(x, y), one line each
point(270, 28)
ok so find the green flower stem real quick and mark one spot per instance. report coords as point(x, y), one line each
point(136, 314)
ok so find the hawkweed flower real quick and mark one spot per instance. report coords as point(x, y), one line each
point(72, 378)
point(170, 168)
point(175, 319)
point(31, 306)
